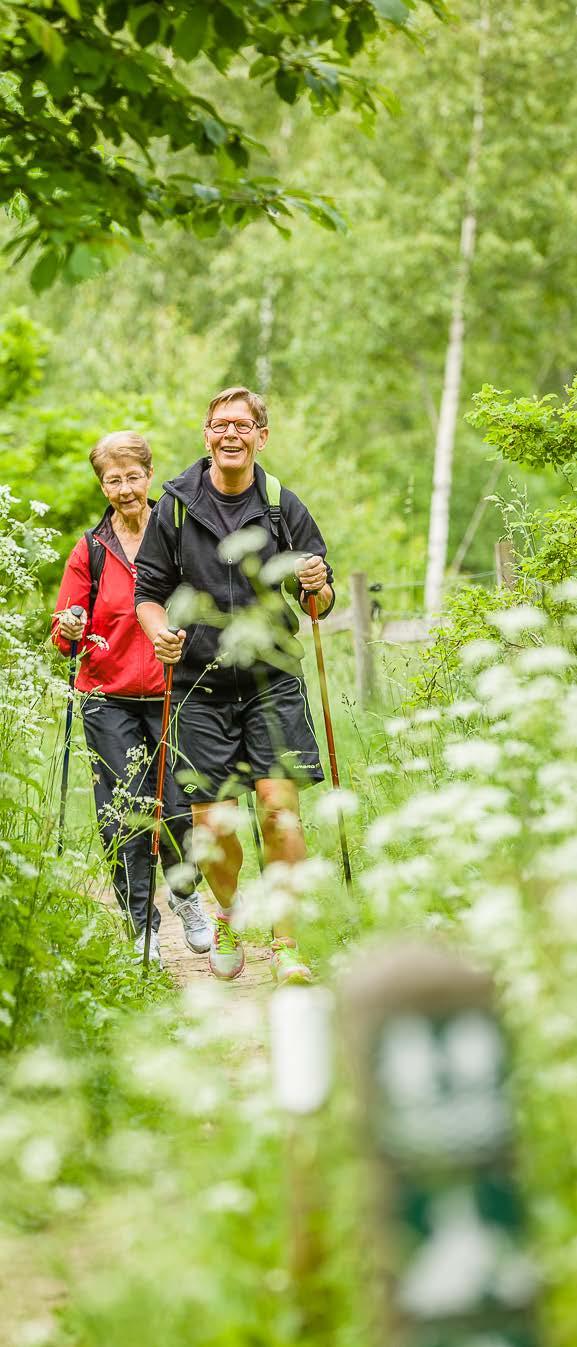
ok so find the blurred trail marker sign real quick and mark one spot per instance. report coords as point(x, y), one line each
point(433, 1081)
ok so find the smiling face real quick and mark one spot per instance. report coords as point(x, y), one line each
point(125, 483)
point(233, 440)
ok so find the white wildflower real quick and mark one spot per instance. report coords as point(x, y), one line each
point(66, 1198)
point(463, 709)
point(380, 769)
point(560, 861)
point(398, 725)
point(563, 908)
point(498, 688)
point(40, 1332)
point(544, 659)
point(335, 803)
point(473, 755)
point(242, 543)
point(278, 567)
point(559, 820)
point(557, 777)
point(180, 877)
point(512, 622)
point(39, 507)
point(415, 765)
point(494, 918)
point(497, 828)
point(428, 715)
point(382, 831)
point(40, 1160)
point(41, 1069)
point(476, 653)
point(566, 591)
point(224, 816)
point(228, 1196)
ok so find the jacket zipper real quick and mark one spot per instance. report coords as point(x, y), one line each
point(103, 543)
point(235, 670)
point(256, 515)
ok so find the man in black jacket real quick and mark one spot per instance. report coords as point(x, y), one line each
point(242, 720)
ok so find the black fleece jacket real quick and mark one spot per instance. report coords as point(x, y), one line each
point(159, 574)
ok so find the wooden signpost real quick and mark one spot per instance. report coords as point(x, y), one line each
point(434, 1098)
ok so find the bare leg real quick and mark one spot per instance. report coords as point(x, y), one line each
point(221, 874)
point(279, 816)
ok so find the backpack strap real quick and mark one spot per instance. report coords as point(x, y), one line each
point(278, 522)
point(96, 559)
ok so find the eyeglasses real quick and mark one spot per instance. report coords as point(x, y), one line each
point(241, 427)
point(133, 479)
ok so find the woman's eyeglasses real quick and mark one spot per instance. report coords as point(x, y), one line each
point(133, 479)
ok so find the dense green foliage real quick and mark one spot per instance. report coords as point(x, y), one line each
point(142, 1158)
point(98, 102)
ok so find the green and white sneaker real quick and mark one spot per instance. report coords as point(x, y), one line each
point(198, 929)
point(286, 966)
point(154, 952)
point(226, 957)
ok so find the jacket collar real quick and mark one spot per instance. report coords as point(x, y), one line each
point(188, 487)
point(107, 516)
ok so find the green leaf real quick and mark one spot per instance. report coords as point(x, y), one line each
point(148, 30)
point(262, 66)
point(189, 36)
point(228, 27)
point(394, 10)
point(46, 36)
point(354, 37)
point(72, 8)
point(287, 85)
point(45, 270)
point(116, 15)
point(83, 263)
point(316, 18)
point(144, 21)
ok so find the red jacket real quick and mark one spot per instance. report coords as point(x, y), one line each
point(122, 662)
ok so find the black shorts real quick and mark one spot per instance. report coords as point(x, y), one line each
point(221, 748)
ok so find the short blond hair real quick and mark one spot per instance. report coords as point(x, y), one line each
point(114, 446)
point(253, 400)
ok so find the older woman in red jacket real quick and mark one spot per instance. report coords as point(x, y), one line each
point(123, 685)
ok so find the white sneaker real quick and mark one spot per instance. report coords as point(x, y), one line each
point(226, 958)
point(154, 952)
point(198, 930)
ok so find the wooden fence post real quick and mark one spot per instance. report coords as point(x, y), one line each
point(505, 563)
point(361, 617)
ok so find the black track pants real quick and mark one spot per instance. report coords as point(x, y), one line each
point(119, 732)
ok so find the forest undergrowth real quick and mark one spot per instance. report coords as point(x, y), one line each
point(139, 1133)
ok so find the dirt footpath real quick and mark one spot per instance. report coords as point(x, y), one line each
point(186, 967)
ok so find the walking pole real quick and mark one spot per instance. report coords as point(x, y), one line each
point(155, 839)
point(76, 611)
point(255, 831)
point(314, 616)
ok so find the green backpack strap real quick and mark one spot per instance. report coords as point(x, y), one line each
point(278, 523)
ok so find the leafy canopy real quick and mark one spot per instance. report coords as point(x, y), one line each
point(96, 102)
point(537, 432)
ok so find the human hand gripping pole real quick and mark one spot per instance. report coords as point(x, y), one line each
point(77, 612)
point(314, 616)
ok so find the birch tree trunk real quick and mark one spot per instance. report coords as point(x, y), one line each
point(445, 440)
